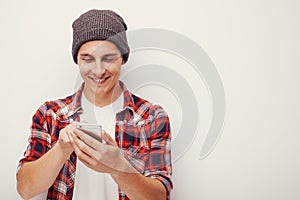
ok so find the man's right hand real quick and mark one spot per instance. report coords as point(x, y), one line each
point(64, 138)
point(32, 179)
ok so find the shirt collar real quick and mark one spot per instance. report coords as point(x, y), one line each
point(75, 108)
point(129, 103)
point(128, 100)
point(138, 107)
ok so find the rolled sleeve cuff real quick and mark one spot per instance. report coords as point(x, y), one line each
point(164, 180)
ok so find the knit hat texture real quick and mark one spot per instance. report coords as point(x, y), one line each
point(100, 25)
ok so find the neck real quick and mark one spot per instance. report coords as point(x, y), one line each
point(103, 99)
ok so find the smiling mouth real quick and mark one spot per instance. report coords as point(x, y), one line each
point(101, 80)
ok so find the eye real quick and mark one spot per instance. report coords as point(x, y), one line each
point(88, 60)
point(108, 59)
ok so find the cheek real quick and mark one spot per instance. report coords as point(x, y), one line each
point(116, 70)
point(83, 70)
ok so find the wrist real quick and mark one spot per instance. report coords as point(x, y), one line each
point(63, 150)
point(123, 170)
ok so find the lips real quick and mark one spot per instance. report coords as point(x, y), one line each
point(100, 80)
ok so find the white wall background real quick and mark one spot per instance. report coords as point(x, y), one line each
point(255, 46)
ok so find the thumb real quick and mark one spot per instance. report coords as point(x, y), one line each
point(108, 139)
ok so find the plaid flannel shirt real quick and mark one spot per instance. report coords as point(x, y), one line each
point(142, 133)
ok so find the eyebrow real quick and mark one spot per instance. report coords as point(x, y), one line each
point(105, 55)
point(85, 54)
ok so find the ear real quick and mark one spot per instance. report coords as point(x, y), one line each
point(123, 62)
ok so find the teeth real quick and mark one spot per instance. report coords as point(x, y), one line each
point(100, 80)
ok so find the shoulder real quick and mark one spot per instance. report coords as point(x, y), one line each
point(154, 118)
point(59, 106)
point(148, 109)
point(49, 113)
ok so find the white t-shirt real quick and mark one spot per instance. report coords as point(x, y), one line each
point(90, 184)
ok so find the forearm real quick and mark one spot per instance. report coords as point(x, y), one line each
point(37, 176)
point(138, 187)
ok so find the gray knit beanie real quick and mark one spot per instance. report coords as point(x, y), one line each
point(100, 25)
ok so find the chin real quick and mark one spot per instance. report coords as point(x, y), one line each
point(103, 90)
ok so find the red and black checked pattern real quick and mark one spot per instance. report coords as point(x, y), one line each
point(142, 132)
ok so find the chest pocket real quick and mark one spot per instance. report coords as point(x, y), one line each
point(137, 150)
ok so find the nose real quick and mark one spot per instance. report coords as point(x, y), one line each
point(98, 68)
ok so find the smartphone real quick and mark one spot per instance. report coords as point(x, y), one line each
point(93, 130)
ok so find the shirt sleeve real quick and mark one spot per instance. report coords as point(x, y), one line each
point(39, 141)
point(159, 165)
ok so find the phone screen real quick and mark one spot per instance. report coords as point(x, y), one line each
point(93, 130)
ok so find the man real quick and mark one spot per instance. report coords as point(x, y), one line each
point(134, 159)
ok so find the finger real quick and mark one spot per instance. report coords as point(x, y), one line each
point(68, 135)
point(84, 153)
point(71, 126)
point(64, 137)
point(67, 130)
point(79, 146)
point(108, 139)
point(84, 158)
point(71, 139)
point(84, 147)
point(86, 162)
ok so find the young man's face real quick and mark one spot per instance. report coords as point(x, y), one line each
point(100, 65)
